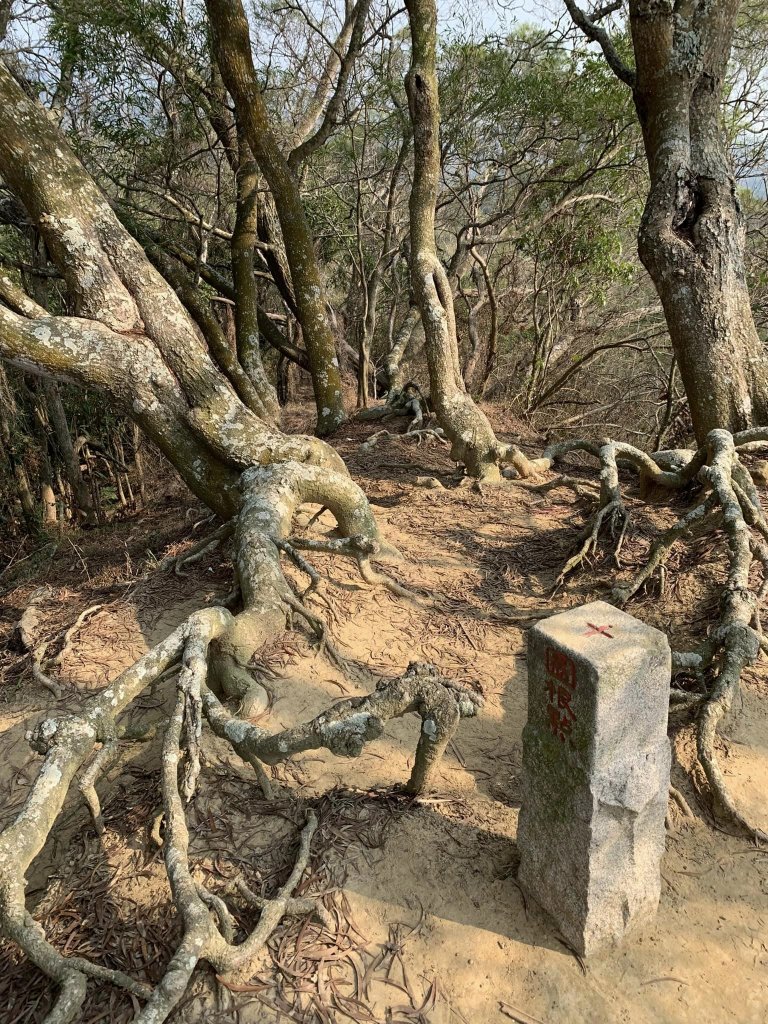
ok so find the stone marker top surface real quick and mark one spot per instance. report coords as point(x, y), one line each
point(598, 681)
point(601, 632)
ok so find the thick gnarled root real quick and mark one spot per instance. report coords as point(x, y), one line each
point(405, 401)
point(208, 930)
point(66, 743)
point(730, 503)
point(352, 723)
point(741, 646)
point(211, 643)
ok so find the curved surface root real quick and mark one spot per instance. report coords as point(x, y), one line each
point(730, 503)
point(213, 643)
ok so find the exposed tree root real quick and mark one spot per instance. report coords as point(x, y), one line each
point(611, 513)
point(581, 488)
point(103, 760)
point(731, 503)
point(71, 633)
point(40, 675)
point(66, 743)
point(681, 802)
point(419, 434)
point(27, 636)
point(215, 649)
point(208, 932)
point(28, 640)
point(405, 401)
point(292, 905)
point(318, 627)
point(370, 575)
point(198, 551)
point(352, 723)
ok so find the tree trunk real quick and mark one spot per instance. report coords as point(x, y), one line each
point(138, 462)
point(131, 336)
point(8, 417)
point(472, 437)
point(244, 239)
point(24, 494)
point(363, 365)
point(283, 380)
point(481, 359)
point(44, 468)
point(371, 286)
point(5, 17)
point(399, 346)
point(488, 364)
point(691, 237)
point(232, 44)
point(134, 341)
point(58, 418)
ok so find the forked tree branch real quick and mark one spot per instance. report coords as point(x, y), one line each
point(590, 28)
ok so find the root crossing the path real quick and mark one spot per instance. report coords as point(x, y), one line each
point(213, 648)
point(728, 501)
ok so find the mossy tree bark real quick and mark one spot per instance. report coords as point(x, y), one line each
point(231, 39)
point(472, 437)
point(691, 237)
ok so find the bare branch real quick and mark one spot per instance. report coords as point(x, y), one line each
point(593, 31)
point(305, 149)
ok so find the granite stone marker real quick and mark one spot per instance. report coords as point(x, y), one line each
point(596, 762)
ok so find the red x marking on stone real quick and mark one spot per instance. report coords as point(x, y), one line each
point(602, 630)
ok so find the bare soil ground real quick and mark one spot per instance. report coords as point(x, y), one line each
point(430, 924)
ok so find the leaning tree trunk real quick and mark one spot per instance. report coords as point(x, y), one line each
point(131, 337)
point(471, 435)
point(232, 45)
point(134, 340)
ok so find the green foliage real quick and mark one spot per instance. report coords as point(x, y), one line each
point(543, 169)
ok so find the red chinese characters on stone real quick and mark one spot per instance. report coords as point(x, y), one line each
point(560, 685)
